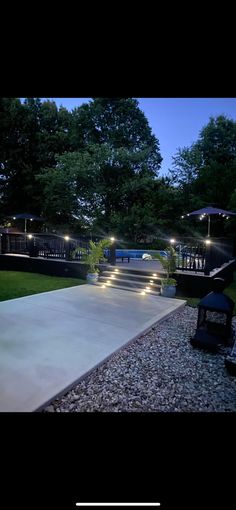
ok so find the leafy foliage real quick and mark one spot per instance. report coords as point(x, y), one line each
point(96, 253)
point(169, 264)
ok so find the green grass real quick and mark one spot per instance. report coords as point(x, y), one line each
point(229, 291)
point(15, 284)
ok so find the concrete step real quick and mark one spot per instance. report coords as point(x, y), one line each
point(130, 276)
point(130, 283)
point(130, 289)
point(148, 272)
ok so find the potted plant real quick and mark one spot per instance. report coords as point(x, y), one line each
point(168, 284)
point(94, 257)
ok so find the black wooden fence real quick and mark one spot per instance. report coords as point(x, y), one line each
point(203, 255)
point(194, 255)
point(43, 245)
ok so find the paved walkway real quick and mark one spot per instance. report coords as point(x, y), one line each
point(48, 341)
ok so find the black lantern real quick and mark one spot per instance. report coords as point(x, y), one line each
point(214, 325)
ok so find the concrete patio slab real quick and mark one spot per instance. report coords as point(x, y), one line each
point(49, 341)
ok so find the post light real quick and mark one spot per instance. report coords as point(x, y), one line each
point(172, 241)
point(208, 241)
point(31, 219)
point(112, 252)
point(66, 238)
point(30, 236)
point(182, 217)
point(14, 217)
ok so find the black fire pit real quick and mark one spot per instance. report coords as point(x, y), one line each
point(214, 325)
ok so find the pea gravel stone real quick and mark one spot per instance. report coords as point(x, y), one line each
point(159, 372)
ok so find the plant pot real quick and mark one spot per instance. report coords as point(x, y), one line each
point(168, 291)
point(92, 277)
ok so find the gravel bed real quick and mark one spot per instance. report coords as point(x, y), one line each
point(158, 372)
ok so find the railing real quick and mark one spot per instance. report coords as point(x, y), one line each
point(203, 255)
point(190, 255)
point(42, 245)
point(195, 255)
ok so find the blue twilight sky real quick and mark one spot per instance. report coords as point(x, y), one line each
point(176, 122)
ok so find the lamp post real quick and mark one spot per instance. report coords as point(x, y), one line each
point(67, 247)
point(112, 258)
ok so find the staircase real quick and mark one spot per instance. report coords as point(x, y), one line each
point(145, 282)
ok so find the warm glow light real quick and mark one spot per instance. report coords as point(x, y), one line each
point(143, 293)
point(172, 241)
point(103, 286)
point(151, 281)
point(147, 288)
point(30, 236)
point(208, 241)
point(66, 238)
point(154, 274)
point(112, 239)
point(116, 270)
point(108, 283)
point(112, 276)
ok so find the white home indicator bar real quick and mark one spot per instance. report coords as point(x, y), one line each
point(119, 504)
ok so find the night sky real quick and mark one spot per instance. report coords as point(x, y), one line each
point(176, 122)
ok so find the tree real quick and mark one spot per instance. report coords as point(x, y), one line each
point(31, 135)
point(114, 165)
point(205, 173)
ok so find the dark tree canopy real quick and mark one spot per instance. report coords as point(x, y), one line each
point(97, 168)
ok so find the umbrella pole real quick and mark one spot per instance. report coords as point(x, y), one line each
point(209, 225)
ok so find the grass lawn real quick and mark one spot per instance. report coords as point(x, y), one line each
point(229, 291)
point(14, 284)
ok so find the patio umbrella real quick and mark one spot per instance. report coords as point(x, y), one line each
point(27, 216)
point(208, 211)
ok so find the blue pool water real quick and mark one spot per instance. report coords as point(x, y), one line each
point(136, 254)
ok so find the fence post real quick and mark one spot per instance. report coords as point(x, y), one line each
point(112, 257)
point(3, 243)
point(68, 248)
point(209, 258)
